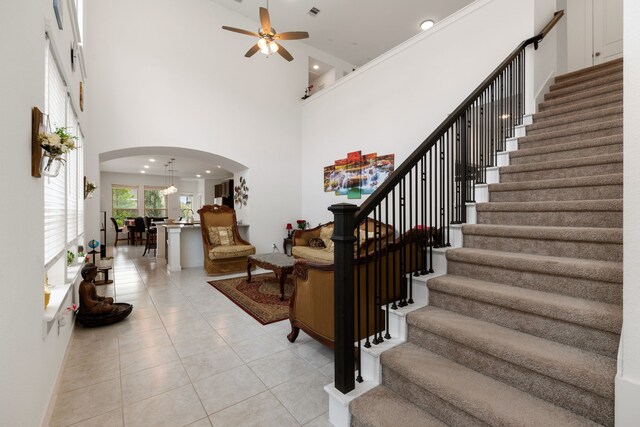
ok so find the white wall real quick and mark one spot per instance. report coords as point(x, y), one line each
point(30, 364)
point(628, 380)
point(391, 104)
point(164, 73)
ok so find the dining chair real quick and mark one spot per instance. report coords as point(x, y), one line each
point(118, 230)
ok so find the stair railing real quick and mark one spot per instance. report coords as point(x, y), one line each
point(382, 245)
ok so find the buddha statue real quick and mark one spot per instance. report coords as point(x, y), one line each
point(90, 302)
point(94, 309)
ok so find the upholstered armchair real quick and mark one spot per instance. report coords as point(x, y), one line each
point(224, 250)
point(311, 307)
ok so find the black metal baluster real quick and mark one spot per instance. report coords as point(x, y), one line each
point(403, 258)
point(359, 308)
point(423, 208)
point(367, 297)
point(396, 294)
point(387, 256)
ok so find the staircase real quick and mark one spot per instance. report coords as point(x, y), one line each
point(524, 328)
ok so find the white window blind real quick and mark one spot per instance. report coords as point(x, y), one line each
point(72, 179)
point(80, 152)
point(54, 188)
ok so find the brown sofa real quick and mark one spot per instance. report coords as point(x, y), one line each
point(223, 259)
point(311, 306)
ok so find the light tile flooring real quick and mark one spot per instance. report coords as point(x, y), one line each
point(188, 356)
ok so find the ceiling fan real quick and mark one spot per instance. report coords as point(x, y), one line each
point(268, 42)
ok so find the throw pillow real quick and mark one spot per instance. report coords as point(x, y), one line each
point(214, 237)
point(226, 236)
point(317, 243)
point(325, 234)
point(221, 236)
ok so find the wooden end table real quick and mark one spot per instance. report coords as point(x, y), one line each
point(280, 264)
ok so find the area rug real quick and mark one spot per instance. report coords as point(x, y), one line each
point(260, 298)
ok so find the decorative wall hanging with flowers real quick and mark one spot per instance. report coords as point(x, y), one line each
point(55, 145)
point(89, 188)
point(241, 193)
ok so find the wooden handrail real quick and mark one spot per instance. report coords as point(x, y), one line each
point(385, 189)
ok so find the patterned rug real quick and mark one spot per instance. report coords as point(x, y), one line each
point(260, 298)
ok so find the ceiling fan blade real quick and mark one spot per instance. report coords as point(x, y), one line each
point(284, 52)
point(265, 22)
point(238, 30)
point(252, 51)
point(292, 35)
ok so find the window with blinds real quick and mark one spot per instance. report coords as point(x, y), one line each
point(80, 152)
point(63, 194)
point(55, 191)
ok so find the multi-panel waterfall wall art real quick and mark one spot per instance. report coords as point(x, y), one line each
point(358, 174)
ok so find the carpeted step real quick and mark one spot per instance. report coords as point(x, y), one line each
point(616, 70)
point(605, 164)
point(589, 279)
point(582, 188)
point(586, 96)
point(561, 374)
point(579, 119)
point(460, 396)
point(574, 242)
point(589, 325)
point(575, 87)
point(382, 407)
point(577, 213)
point(586, 106)
point(590, 71)
point(571, 134)
point(567, 150)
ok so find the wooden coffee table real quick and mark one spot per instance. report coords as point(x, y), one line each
point(280, 264)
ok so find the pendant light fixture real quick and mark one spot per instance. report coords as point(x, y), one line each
point(171, 188)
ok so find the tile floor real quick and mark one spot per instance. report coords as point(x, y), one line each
point(187, 356)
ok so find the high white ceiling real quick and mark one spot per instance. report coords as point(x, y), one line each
point(355, 31)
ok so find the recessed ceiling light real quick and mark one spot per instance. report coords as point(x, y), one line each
point(146, 166)
point(152, 160)
point(143, 171)
point(425, 25)
point(315, 67)
point(198, 176)
point(219, 166)
point(208, 171)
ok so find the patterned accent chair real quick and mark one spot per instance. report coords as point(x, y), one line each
point(224, 252)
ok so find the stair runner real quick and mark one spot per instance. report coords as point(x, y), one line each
point(524, 327)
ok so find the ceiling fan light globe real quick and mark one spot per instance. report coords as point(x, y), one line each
point(273, 46)
point(262, 43)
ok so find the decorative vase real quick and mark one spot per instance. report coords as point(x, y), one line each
point(50, 166)
point(47, 296)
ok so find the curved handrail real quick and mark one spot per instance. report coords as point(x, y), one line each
point(385, 188)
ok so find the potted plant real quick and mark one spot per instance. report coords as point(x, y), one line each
point(55, 145)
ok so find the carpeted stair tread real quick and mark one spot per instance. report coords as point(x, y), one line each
point(559, 92)
point(568, 234)
point(572, 120)
point(567, 146)
point(612, 126)
point(583, 369)
point(604, 205)
point(589, 71)
point(605, 271)
point(586, 96)
point(593, 79)
point(488, 400)
point(382, 407)
point(563, 164)
point(593, 314)
point(579, 107)
point(576, 188)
